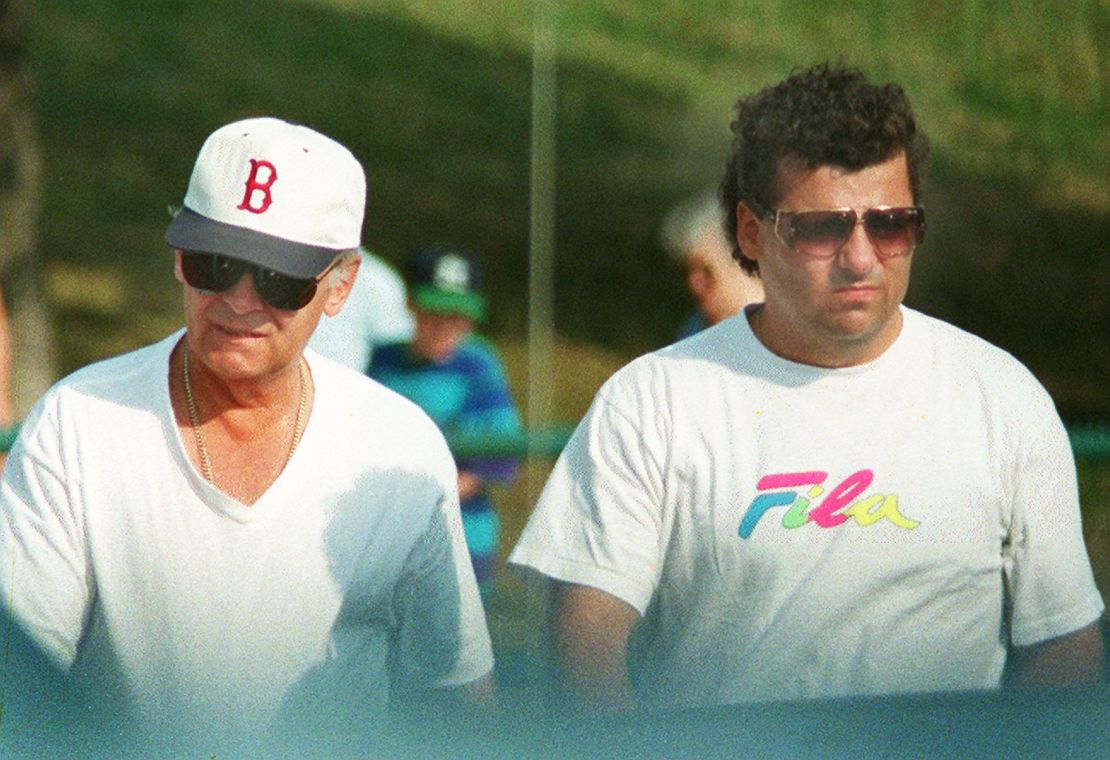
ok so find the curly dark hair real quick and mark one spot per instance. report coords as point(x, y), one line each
point(823, 115)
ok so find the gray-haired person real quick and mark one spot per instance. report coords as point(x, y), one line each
point(721, 288)
point(222, 523)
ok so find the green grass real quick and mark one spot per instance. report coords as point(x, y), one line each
point(434, 97)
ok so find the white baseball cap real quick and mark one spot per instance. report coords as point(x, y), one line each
point(276, 194)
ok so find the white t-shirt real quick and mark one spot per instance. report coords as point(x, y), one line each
point(375, 313)
point(350, 573)
point(789, 531)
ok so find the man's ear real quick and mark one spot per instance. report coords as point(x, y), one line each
point(339, 289)
point(747, 232)
point(177, 273)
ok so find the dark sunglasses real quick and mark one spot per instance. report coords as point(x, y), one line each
point(820, 234)
point(215, 274)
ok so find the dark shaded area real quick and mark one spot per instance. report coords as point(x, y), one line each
point(13, 48)
point(1006, 724)
point(1015, 724)
point(44, 713)
point(1030, 279)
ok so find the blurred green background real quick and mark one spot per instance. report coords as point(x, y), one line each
point(434, 96)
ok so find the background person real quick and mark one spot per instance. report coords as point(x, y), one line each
point(458, 379)
point(693, 237)
point(835, 495)
point(375, 313)
point(218, 525)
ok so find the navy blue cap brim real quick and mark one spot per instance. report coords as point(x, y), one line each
point(191, 231)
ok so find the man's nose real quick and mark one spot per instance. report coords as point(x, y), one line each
point(858, 254)
point(242, 297)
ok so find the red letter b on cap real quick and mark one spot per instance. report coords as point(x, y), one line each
point(254, 186)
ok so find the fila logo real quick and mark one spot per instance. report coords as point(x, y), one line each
point(258, 191)
point(844, 501)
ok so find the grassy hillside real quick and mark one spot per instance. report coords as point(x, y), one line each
point(434, 97)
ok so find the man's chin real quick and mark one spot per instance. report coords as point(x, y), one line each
point(232, 364)
point(860, 326)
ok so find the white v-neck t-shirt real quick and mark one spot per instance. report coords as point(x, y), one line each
point(349, 575)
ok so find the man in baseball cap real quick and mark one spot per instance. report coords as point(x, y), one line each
point(274, 194)
point(222, 526)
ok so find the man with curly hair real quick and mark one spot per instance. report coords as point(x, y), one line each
point(829, 494)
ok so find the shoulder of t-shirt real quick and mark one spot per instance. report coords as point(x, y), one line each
point(126, 375)
point(977, 353)
point(641, 385)
point(1001, 375)
point(367, 402)
point(360, 389)
point(135, 379)
point(712, 346)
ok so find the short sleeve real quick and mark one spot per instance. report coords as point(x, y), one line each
point(1048, 574)
point(441, 638)
point(44, 567)
point(600, 520)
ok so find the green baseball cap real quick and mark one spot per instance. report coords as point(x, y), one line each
point(445, 279)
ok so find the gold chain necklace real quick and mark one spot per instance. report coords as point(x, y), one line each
point(194, 418)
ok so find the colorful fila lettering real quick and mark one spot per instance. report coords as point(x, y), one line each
point(866, 511)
